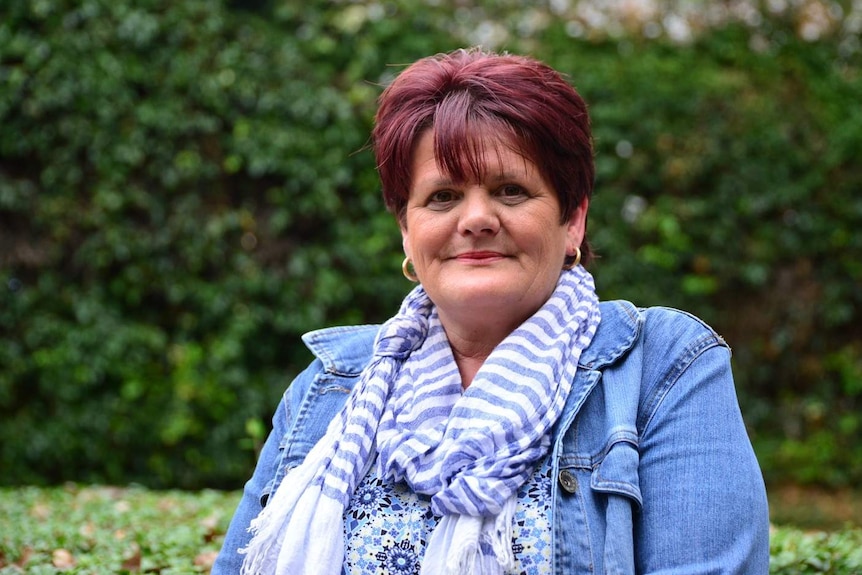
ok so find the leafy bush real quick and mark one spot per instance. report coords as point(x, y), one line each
point(185, 188)
point(99, 530)
point(178, 203)
point(728, 186)
point(795, 552)
point(96, 530)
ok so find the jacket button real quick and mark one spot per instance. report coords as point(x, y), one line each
point(568, 481)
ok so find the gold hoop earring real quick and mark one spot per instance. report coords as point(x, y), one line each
point(574, 263)
point(406, 266)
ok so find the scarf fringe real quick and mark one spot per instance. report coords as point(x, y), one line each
point(460, 543)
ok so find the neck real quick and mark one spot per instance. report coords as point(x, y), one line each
point(471, 348)
point(468, 365)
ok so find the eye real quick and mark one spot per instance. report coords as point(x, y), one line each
point(512, 193)
point(441, 199)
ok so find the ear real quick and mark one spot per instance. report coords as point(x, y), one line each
point(405, 240)
point(576, 227)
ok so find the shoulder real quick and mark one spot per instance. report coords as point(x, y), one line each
point(342, 350)
point(673, 329)
point(668, 332)
point(661, 349)
point(340, 355)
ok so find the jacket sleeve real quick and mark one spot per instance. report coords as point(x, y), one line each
point(704, 500)
point(267, 474)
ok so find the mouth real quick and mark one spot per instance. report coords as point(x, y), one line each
point(480, 257)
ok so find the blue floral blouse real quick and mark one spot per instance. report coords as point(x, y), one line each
point(388, 526)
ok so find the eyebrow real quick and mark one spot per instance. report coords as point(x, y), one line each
point(510, 176)
point(437, 183)
point(503, 177)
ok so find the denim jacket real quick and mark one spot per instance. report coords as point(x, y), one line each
point(655, 471)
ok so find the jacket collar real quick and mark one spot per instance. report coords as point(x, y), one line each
point(346, 350)
point(343, 350)
point(619, 329)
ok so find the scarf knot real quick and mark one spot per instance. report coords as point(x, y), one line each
point(401, 334)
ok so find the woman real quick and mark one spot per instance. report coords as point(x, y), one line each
point(504, 421)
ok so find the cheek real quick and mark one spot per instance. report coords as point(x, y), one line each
point(554, 248)
point(553, 239)
point(425, 239)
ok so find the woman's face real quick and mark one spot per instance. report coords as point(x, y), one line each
point(494, 246)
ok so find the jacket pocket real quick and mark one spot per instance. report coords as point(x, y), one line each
point(617, 478)
point(618, 472)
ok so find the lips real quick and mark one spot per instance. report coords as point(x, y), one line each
point(479, 256)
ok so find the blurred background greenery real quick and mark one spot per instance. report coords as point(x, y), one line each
point(185, 188)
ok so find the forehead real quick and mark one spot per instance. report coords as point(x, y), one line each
point(476, 158)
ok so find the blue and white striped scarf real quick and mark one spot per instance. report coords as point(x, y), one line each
point(469, 450)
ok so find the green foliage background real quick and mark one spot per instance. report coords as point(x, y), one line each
point(96, 530)
point(185, 188)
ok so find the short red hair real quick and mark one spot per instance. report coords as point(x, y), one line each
point(468, 95)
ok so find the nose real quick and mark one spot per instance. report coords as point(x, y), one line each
point(478, 214)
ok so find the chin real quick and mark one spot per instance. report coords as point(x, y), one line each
point(496, 297)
